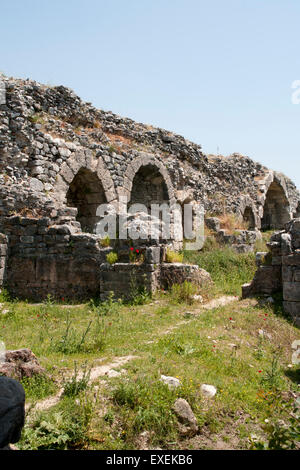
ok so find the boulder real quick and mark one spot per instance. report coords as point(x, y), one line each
point(20, 363)
point(208, 391)
point(186, 417)
point(12, 411)
point(172, 382)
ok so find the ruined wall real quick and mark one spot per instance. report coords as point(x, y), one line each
point(50, 259)
point(279, 270)
point(48, 134)
point(60, 158)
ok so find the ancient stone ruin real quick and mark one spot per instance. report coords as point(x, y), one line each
point(279, 269)
point(61, 159)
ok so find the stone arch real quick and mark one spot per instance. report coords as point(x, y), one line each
point(146, 164)
point(69, 169)
point(249, 218)
point(248, 213)
point(146, 181)
point(86, 193)
point(276, 211)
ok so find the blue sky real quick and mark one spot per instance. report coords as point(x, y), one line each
point(218, 72)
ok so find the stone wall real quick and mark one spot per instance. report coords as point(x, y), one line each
point(60, 158)
point(3, 258)
point(279, 270)
point(48, 135)
point(50, 259)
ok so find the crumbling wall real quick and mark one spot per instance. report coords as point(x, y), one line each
point(279, 270)
point(3, 258)
point(47, 135)
point(51, 259)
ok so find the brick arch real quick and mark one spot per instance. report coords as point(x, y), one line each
point(83, 161)
point(136, 165)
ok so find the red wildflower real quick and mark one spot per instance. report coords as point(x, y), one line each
point(137, 251)
point(259, 371)
point(131, 248)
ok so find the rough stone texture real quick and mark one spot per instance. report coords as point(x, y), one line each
point(127, 280)
point(186, 417)
point(12, 411)
point(177, 273)
point(208, 390)
point(171, 382)
point(60, 158)
point(20, 363)
point(281, 271)
point(242, 241)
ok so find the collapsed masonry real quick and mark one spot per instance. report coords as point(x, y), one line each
point(61, 158)
point(279, 270)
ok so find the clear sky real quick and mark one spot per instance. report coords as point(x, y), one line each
point(218, 72)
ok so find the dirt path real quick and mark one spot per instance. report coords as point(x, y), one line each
point(103, 370)
point(96, 372)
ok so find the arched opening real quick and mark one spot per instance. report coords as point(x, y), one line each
point(297, 211)
point(86, 193)
point(149, 187)
point(249, 218)
point(276, 208)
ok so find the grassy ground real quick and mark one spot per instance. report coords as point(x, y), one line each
point(255, 380)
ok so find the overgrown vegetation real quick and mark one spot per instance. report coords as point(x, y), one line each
point(252, 372)
point(228, 269)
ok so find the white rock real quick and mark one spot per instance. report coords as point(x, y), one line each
point(172, 382)
point(208, 390)
point(113, 373)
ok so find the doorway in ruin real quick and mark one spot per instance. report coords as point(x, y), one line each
point(248, 218)
point(86, 193)
point(149, 187)
point(276, 208)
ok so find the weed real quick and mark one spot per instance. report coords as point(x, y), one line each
point(78, 382)
point(71, 342)
point(183, 293)
point(38, 387)
point(105, 242)
point(112, 257)
point(63, 427)
point(174, 257)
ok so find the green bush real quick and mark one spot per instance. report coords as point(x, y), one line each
point(60, 428)
point(77, 384)
point(112, 257)
point(183, 293)
point(38, 387)
point(174, 257)
point(105, 242)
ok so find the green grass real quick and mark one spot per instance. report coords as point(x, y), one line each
point(221, 347)
point(228, 269)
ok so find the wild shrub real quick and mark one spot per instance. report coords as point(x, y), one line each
point(60, 428)
point(112, 257)
point(174, 257)
point(78, 382)
point(183, 293)
point(38, 386)
point(105, 242)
